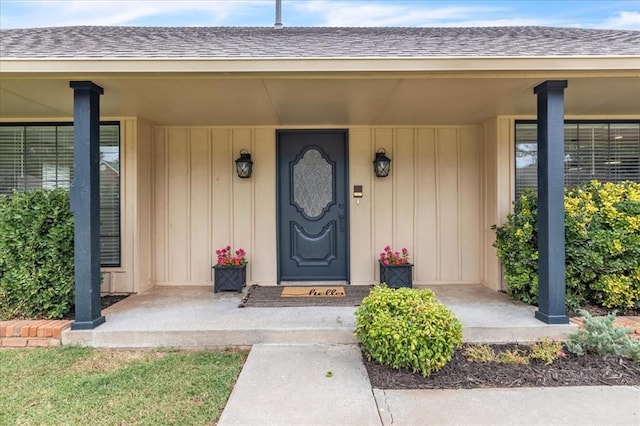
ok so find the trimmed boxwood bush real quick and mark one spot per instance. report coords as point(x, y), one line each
point(407, 328)
point(602, 234)
point(36, 254)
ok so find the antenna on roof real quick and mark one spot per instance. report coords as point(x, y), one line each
point(278, 23)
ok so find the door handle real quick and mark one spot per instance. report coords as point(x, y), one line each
point(341, 218)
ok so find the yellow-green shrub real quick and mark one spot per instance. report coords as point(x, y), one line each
point(602, 234)
point(407, 328)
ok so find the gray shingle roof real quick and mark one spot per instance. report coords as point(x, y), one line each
point(312, 42)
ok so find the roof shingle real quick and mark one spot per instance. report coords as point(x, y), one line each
point(312, 42)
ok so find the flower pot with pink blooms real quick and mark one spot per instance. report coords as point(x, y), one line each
point(395, 269)
point(230, 271)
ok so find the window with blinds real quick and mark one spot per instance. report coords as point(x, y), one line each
point(608, 151)
point(41, 156)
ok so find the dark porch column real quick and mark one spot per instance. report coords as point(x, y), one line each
point(85, 203)
point(551, 274)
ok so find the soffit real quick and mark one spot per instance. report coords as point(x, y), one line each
point(202, 100)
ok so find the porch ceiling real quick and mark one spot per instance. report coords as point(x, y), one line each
point(317, 99)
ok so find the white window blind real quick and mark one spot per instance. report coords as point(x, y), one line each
point(36, 156)
point(607, 151)
point(110, 195)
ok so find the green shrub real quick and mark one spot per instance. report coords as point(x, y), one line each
point(601, 337)
point(479, 353)
point(513, 356)
point(407, 328)
point(546, 351)
point(36, 254)
point(602, 234)
point(517, 247)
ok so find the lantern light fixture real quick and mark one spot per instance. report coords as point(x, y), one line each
point(381, 164)
point(244, 165)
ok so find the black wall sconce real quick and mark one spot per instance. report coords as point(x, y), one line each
point(382, 164)
point(244, 165)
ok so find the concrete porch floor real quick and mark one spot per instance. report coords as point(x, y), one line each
point(191, 317)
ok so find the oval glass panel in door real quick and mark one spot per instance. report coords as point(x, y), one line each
point(312, 183)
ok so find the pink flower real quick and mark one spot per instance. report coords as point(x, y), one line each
point(390, 257)
point(226, 258)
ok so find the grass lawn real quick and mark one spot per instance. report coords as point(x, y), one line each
point(81, 386)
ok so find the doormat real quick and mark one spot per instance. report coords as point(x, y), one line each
point(314, 291)
point(272, 296)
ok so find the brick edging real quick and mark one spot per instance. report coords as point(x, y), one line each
point(31, 333)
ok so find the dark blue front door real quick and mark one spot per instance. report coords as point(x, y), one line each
point(312, 205)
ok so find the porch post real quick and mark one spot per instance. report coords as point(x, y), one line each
point(551, 252)
point(85, 203)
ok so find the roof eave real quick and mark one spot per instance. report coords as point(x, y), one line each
point(317, 65)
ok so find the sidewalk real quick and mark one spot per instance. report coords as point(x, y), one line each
point(308, 384)
point(589, 405)
point(319, 384)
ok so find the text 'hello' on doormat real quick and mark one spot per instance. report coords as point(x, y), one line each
point(284, 296)
point(313, 292)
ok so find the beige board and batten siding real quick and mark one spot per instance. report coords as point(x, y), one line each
point(498, 189)
point(134, 273)
point(200, 205)
point(431, 203)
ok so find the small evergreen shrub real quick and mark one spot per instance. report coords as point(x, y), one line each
point(546, 351)
point(602, 234)
point(36, 254)
point(514, 356)
point(407, 328)
point(479, 353)
point(601, 337)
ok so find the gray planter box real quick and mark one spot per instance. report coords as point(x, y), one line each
point(229, 278)
point(396, 276)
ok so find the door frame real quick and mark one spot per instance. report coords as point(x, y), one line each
point(279, 243)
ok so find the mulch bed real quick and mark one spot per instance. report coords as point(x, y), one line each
point(105, 302)
point(269, 297)
point(596, 310)
point(587, 370)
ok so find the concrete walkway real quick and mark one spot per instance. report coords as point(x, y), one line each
point(589, 405)
point(302, 385)
point(328, 385)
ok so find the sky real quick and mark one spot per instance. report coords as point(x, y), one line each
point(611, 14)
